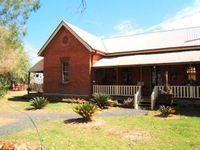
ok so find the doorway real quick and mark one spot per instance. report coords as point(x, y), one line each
point(156, 76)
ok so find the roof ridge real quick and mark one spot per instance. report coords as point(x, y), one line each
point(150, 32)
point(81, 29)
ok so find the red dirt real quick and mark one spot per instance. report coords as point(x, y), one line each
point(19, 145)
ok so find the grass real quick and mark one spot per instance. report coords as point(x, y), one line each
point(181, 133)
point(176, 134)
point(19, 104)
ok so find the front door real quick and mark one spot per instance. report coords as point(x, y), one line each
point(156, 76)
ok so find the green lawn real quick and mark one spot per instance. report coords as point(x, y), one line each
point(176, 134)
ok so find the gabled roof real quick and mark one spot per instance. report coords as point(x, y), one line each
point(88, 40)
point(186, 37)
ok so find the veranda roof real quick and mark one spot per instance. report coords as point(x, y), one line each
point(38, 67)
point(150, 59)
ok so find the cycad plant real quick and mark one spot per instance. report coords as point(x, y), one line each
point(86, 110)
point(101, 100)
point(166, 110)
point(39, 102)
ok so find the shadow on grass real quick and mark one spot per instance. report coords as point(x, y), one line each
point(27, 98)
point(19, 98)
point(77, 121)
point(30, 108)
point(188, 110)
point(192, 110)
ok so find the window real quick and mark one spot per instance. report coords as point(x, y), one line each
point(65, 40)
point(65, 71)
point(191, 73)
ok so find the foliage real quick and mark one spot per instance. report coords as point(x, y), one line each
point(112, 102)
point(39, 102)
point(86, 110)
point(14, 61)
point(15, 13)
point(4, 86)
point(166, 110)
point(129, 102)
point(80, 100)
point(101, 100)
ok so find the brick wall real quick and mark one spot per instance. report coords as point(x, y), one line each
point(79, 65)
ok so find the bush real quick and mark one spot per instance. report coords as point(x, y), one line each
point(112, 103)
point(39, 102)
point(4, 86)
point(166, 110)
point(80, 100)
point(86, 110)
point(101, 100)
point(129, 103)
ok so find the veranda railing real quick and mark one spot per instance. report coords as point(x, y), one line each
point(120, 90)
point(184, 91)
point(116, 90)
point(178, 92)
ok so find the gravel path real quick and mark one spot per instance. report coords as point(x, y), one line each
point(24, 119)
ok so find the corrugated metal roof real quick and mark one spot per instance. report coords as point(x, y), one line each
point(92, 40)
point(38, 67)
point(147, 59)
point(154, 40)
point(146, 41)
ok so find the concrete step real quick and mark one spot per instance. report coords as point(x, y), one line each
point(145, 107)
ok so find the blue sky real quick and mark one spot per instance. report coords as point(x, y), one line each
point(107, 18)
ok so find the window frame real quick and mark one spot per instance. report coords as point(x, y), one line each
point(191, 73)
point(65, 60)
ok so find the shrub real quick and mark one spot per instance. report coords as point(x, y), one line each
point(80, 100)
point(129, 102)
point(166, 110)
point(101, 100)
point(112, 102)
point(39, 102)
point(4, 86)
point(69, 100)
point(86, 110)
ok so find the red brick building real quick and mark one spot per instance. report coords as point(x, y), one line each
point(77, 63)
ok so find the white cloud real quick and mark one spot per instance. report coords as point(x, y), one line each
point(186, 17)
point(127, 27)
point(32, 51)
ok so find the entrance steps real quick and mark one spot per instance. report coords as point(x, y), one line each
point(145, 103)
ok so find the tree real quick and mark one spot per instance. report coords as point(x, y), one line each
point(14, 61)
point(15, 13)
point(83, 6)
point(8, 51)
